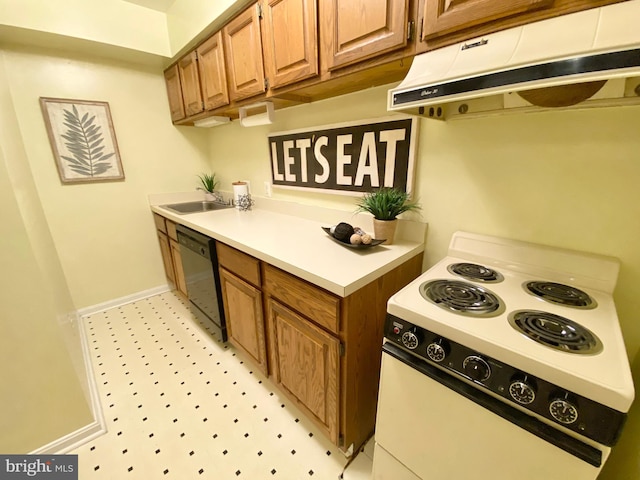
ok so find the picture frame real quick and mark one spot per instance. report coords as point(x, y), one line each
point(82, 139)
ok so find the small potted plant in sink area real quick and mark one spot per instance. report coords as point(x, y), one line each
point(209, 183)
point(385, 204)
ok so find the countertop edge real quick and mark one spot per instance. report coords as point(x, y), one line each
point(406, 251)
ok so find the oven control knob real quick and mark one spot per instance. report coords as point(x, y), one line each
point(410, 339)
point(438, 350)
point(563, 410)
point(476, 368)
point(522, 390)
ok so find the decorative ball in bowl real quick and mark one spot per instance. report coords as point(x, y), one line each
point(349, 236)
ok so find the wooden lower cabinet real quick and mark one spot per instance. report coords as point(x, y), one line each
point(325, 351)
point(245, 321)
point(170, 250)
point(306, 366)
point(322, 351)
point(165, 250)
point(180, 281)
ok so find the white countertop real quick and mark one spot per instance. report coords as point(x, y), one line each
point(298, 245)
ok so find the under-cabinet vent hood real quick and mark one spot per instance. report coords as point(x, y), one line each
point(580, 60)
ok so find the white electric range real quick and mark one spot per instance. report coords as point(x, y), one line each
point(503, 355)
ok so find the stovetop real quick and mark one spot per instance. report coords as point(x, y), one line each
point(600, 373)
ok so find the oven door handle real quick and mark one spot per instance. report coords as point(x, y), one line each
point(569, 444)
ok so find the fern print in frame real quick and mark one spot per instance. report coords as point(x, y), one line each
point(82, 139)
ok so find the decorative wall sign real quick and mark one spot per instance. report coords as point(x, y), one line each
point(82, 139)
point(349, 158)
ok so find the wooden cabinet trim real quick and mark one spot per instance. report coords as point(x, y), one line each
point(159, 220)
point(171, 230)
point(243, 265)
point(309, 300)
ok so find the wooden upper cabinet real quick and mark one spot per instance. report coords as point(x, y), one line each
point(243, 53)
point(355, 30)
point(174, 92)
point(190, 80)
point(213, 76)
point(443, 17)
point(289, 39)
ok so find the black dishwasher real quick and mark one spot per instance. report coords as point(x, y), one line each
point(200, 265)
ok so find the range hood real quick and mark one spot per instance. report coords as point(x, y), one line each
point(580, 60)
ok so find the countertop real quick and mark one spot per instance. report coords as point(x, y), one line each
point(289, 236)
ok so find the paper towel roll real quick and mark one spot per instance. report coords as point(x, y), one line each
point(239, 188)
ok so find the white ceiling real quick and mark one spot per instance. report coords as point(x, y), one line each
point(159, 5)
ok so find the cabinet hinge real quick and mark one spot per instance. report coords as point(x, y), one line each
point(340, 440)
point(341, 350)
point(411, 28)
point(266, 83)
point(421, 30)
point(259, 7)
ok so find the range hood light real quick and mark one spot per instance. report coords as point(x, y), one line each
point(211, 121)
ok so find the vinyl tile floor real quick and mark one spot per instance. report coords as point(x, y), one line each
point(180, 404)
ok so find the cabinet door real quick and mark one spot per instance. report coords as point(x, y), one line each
point(165, 249)
point(307, 366)
point(289, 40)
point(181, 283)
point(355, 30)
point(190, 80)
point(174, 92)
point(243, 54)
point(213, 76)
point(243, 312)
point(448, 16)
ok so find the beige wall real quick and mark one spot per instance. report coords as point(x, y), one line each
point(104, 232)
point(44, 392)
point(568, 179)
point(113, 22)
point(186, 19)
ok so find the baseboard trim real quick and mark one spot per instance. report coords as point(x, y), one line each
point(98, 426)
point(92, 430)
point(118, 302)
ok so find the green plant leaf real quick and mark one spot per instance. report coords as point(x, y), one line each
point(386, 203)
point(84, 141)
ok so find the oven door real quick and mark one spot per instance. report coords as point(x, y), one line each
point(428, 426)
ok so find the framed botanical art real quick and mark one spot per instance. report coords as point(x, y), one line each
point(82, 139)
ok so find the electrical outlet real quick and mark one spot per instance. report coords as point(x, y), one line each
point(267, 188)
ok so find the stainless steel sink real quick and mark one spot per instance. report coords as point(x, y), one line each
point(195, 207)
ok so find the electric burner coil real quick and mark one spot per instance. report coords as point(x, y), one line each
point(462, 297)
point(555, 331)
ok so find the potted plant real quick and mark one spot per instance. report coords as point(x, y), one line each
point(209, 184)
point(385, 204)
